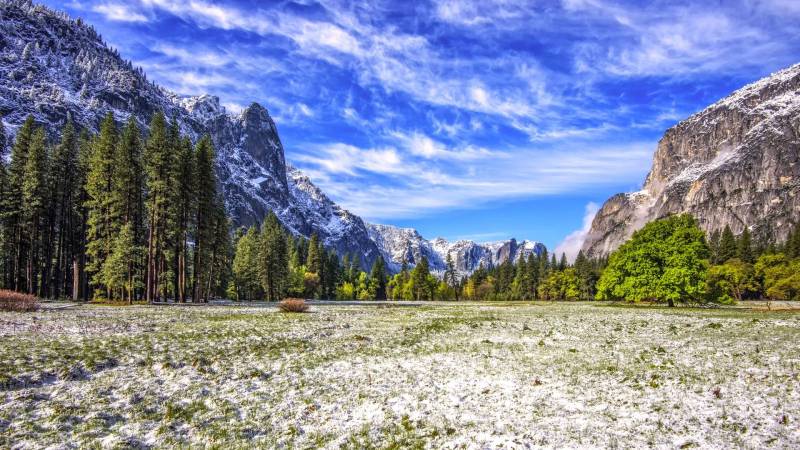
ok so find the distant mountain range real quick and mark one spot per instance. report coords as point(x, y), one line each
point(736, 164)
point(52, 67)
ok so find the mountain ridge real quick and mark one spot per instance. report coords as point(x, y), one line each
point(736, 163)
point(55, 66)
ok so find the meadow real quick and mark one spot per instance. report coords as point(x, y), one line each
point(430, 376)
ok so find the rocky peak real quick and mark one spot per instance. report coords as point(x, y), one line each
point(406, 244)
point(736, 163)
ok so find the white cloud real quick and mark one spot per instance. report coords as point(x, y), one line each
point(421, 145)
point(384, 183)
point(573, 242)
point(119, 12)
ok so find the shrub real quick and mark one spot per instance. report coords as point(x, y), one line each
point(17, 302)
point(293, 305)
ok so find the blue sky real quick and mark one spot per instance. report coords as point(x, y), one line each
point(464, 119)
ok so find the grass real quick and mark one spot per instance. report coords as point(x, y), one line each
point(478, 375)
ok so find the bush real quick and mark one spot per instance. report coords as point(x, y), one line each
point(293, 305)
point(17, 302)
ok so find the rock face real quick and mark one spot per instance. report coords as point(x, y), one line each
point(406, 244)
point(736, 163)
point(53, 67)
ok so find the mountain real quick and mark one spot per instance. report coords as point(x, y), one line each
point(736, 163)
point(52, 67)
point(406, 244)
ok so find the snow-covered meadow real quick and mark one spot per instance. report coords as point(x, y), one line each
point(438, 376)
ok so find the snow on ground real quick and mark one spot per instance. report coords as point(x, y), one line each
point(465, 376)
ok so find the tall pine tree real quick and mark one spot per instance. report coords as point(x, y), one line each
point(206, 193)
point(34, 203)
point(11, 211)
point(273, 258)
point(102, 220)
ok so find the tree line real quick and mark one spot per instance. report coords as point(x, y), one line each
point(271, 263)
point(671, 261)
point(112, 215)
point(127, 216)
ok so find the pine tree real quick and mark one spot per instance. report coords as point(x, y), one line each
point(744, 247)
point(562, 263)
point(158, 164)
point(419, 276)
point(314, 260)
point(128, 201)
point(332, 275)
point(246, 265)
point(118, 267)
point(521, 280)
point(378, 278)
point(222, 250)
point(11, 208)
point(206, 193)
point(102, 218)
point(34, 203)
point(66, 179)
point(793, 243)
point(80, 280)
point(534, 270)
point(450, 276)
point(185, 205)
point(727, 245)
point(3, 140)
point(713, 246)
point(273, 258)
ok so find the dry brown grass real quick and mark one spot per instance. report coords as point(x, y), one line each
point(293, 305)
point(17, 302)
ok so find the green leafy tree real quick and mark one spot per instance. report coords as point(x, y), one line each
point(666, 261)
point(779, 275)
point(561, 285)
point(730, 281)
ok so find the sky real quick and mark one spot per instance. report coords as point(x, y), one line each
point(465, 119)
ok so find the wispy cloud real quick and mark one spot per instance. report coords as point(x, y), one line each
point(399, 110)
point(119, 12)
point(412, 184)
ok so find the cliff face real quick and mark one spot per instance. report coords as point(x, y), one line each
point(736, 163)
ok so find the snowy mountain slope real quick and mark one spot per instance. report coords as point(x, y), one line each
point(53, 67)
point(406, 244)
point(736, 163)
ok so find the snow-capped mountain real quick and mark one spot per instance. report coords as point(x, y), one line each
point(406, 244)
point(736, 163)
point(52, 67)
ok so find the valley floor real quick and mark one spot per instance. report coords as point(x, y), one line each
point(437, 376)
